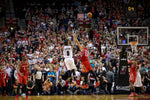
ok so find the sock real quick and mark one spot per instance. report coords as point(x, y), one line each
point(2, 90)
point(18, 88)
point(25, 89)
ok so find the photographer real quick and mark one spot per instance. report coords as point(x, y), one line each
point(47, 87)
point(60, 86)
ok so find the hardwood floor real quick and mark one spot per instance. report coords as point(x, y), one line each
point(79, 97)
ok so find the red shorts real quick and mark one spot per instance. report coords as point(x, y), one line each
point(22, 79)
point(132, 77)
point(87, 66)
point(2, 82)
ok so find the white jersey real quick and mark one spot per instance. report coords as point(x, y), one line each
point(138, 81)
point(67, 52)
point(68, 61)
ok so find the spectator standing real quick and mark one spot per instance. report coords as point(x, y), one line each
point(33, 72)
point(62, 67)
point(8, 78)
point(38, 81)
point(108, 58)
point(8, 70)
point(113, 62)
point(110, 79)
point(51, 75)
point(44, 74)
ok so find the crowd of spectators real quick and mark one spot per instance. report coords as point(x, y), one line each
point(42, 42)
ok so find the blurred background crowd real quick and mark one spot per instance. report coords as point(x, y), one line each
point(49, 24)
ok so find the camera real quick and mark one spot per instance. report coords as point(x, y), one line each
point(48, 80)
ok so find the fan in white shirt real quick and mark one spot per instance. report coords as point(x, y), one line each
point(38, 74)
point(8, 70)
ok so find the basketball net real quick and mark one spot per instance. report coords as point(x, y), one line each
point(134, 46)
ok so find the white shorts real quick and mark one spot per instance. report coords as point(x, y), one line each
point(138, 81)
point(69, 63)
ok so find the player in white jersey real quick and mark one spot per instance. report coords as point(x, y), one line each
point(69, 61)
point(138, 81)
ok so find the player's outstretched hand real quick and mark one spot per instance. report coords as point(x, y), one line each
point(74, 37)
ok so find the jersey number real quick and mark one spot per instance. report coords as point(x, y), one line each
point(68, 53)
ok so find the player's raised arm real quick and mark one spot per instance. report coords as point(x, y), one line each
point(76, 40)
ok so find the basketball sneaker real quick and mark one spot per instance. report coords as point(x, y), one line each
point(16, 97)
point(131, 95)
point(145, 94)
point(84, 86)
point(97, 84)
point(135, 94)
point(27, 97)
point(23, 94)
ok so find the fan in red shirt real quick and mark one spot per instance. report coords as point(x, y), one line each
point(132, 78)
point(85, 60)
point(22, 72)
point(2, 79)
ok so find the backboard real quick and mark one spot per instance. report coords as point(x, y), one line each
point(127, 34)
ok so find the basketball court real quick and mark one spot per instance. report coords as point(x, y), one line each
point(79, 97)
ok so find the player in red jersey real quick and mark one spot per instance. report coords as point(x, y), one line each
point(85, 60)
point(2, 79)
point(22, 71)
point(132, 78)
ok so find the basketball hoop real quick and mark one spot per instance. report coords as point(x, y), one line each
point(133, 45)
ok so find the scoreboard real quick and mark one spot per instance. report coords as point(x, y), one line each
point(131, 12)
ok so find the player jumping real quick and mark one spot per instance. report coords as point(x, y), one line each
point(85, 60)
point(138, 81)
point(69, 61)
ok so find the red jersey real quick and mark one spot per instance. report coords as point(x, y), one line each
point(2, 74)
point(24, 68)
point(84, 55)
point(133, 68)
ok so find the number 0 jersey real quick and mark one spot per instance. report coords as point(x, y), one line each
point(67, 52)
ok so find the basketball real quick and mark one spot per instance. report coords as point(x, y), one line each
point(89, 15)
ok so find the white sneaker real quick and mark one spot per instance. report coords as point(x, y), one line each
point(38, 94)
point(23, 94)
